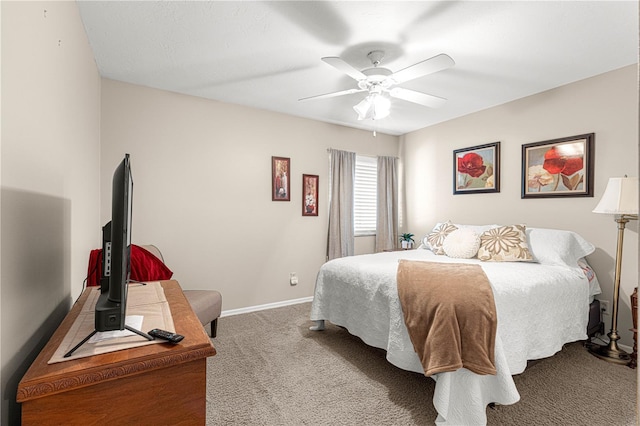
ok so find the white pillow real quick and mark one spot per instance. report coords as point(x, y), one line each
point(462, 243)
point(478, 228)
point(557, 247)
point(424, 244)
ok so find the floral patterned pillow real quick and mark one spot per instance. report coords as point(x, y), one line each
point(437, 236)
point(505, 244)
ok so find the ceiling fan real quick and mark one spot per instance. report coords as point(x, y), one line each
point(379, 82)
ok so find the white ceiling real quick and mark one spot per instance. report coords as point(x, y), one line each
point(266, 54)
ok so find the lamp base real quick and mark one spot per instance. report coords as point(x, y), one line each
point(610, 354)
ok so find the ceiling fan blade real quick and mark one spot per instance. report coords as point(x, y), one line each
point(430, 101)
point(428, 66)
point(334, 94)
point(344, 67)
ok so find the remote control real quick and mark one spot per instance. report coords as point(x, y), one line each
point(166, 335)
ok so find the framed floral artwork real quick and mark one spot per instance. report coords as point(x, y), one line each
point(559, 167)
point(309, 195)
point(477, 169)
point(280, 185)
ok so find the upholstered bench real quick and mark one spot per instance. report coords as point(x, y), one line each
point(207, 304)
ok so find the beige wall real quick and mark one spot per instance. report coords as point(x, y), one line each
point(202, 189)
point(606, 105)
point(50, 178)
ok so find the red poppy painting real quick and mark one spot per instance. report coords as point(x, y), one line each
point(476, 169)
point(559, 167)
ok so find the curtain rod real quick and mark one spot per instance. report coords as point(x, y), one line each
point(330, 149)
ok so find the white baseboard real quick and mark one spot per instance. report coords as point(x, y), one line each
point(266, 306)
point(625, 348)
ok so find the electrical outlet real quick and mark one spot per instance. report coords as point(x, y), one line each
point(604, 307)
point(293, 278)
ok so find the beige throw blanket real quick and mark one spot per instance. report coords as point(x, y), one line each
point(450, 314)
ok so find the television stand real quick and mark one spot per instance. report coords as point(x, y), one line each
point(126, 327)
point(124, 387)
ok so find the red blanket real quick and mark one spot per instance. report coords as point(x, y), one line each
point(144, 266)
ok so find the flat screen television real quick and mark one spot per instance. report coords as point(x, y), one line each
point(110, 311)
point(111, 307)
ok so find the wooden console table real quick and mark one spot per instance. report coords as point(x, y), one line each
point(148, 385)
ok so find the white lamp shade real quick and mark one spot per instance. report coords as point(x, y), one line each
point(620, 197)
point(382, 107)
point(364, 109)
point(374, 107)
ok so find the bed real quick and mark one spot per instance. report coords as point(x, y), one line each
point(541, 304)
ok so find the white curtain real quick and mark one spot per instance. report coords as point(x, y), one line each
point(342, 174)
point(387, 207)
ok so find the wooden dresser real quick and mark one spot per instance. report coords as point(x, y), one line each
point(148, 385)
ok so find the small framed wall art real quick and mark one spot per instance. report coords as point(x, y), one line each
point(477, 169)
point(559, 167)
point(280, 185)
point(309, 195)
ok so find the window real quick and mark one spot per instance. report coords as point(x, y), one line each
point(365, 195)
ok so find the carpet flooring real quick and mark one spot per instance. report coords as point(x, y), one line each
point(271, 370)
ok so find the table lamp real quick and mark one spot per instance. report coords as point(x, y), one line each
point(620, 199)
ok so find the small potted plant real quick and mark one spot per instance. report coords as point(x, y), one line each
point(406, 240)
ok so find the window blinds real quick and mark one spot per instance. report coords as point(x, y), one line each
point(365, 195)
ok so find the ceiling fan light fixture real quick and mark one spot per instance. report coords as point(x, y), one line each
point(374, 107)
point(379, 83)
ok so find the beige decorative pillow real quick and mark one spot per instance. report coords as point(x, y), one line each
point(505, 244)
point(462, 243)
point(437, 236)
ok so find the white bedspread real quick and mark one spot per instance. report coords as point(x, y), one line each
point(540, 308)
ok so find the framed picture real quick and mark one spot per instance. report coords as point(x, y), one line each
point(280, 185)
point(559, 167)
point(477, 169)
point(309, 195)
